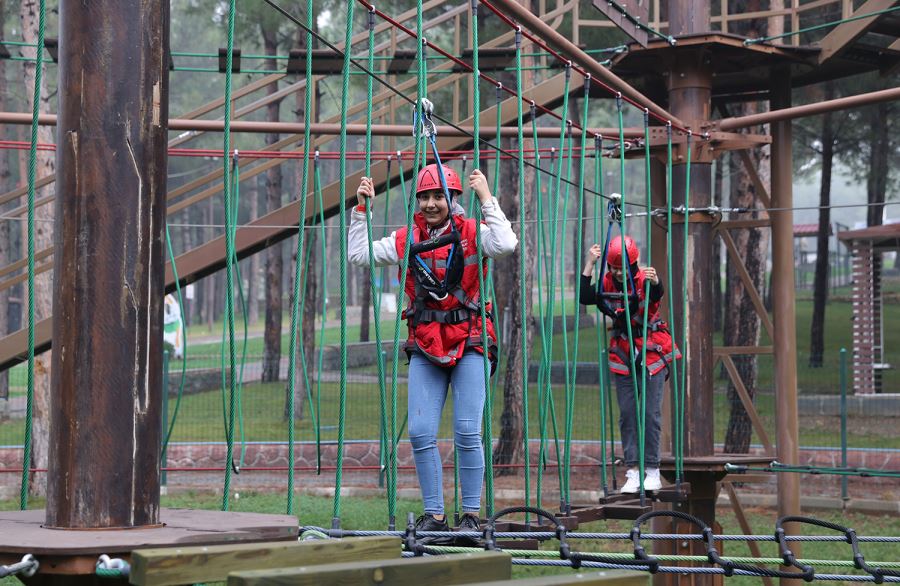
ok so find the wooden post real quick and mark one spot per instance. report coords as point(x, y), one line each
point(108, 294)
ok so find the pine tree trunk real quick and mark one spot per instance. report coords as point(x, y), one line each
point(43, 287)
point(743, 322)
point(274, 260)
point(876, 183)
point(820, 285)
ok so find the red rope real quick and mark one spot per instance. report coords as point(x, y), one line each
point(325, 155)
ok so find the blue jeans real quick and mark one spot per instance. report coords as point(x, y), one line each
point(427, 393)
point(628, 412)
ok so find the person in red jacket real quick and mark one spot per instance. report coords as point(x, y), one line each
point(445, 327)
point(621, 284)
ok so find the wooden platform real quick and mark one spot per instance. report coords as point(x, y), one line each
point(74, 552)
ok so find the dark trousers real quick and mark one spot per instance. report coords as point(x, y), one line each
point(629, 409)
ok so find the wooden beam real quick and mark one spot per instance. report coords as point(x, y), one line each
point(843, 35)
point(759, 187)
point(743, 224)
point(744, 395)
point(213, 563)
point(748, 283)
point(745, 526)
point(430, 570)
point(741, 350)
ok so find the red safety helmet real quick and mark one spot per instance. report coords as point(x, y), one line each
point(429, 179)
point(614, 254)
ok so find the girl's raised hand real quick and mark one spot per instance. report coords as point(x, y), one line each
point(365, 190)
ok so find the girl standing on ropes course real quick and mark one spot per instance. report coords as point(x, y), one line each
point(609, 298)
point(443, 315)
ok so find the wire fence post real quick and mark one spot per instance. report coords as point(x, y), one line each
point(845, 496)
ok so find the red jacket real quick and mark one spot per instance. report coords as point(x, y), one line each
point(660, 349)
point(431, 328)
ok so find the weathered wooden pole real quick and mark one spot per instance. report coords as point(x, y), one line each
point(690, 98)
point(783, 309)
point(108, 292)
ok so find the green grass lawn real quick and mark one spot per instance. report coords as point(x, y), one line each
point(371, 513)
point(838, 334)
point(201, 417)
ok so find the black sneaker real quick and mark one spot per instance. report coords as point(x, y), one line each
point(427, 522)
point(468, 523)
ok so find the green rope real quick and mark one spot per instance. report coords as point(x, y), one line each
point(524, 291)
point(748, 42)
point(295, 300)
point(484, 297)
point(633, 370)
point(676, 380)
point(577, 263)
point(404, 263)
point(376, 295)
point(684, 300)
point(317, 187)
point(342, 172)
point(599, 229)
point(551, 276)
point(642, 413)
point(235, 183)
point(184, 356)
point(229, 254)
point(553, 242)
point(826, 470)
point(476, 161)
point(569, 380)
point(32, 174)
point(542, 421)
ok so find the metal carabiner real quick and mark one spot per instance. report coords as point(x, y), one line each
point(429, 129)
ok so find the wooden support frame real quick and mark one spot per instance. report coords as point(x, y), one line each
point(748, 285)
point(747, 402)
point(738, 509)
point(760, 188)
point(843, 35)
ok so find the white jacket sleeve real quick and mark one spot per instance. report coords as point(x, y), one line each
point(497, 236)
point(384, 249)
